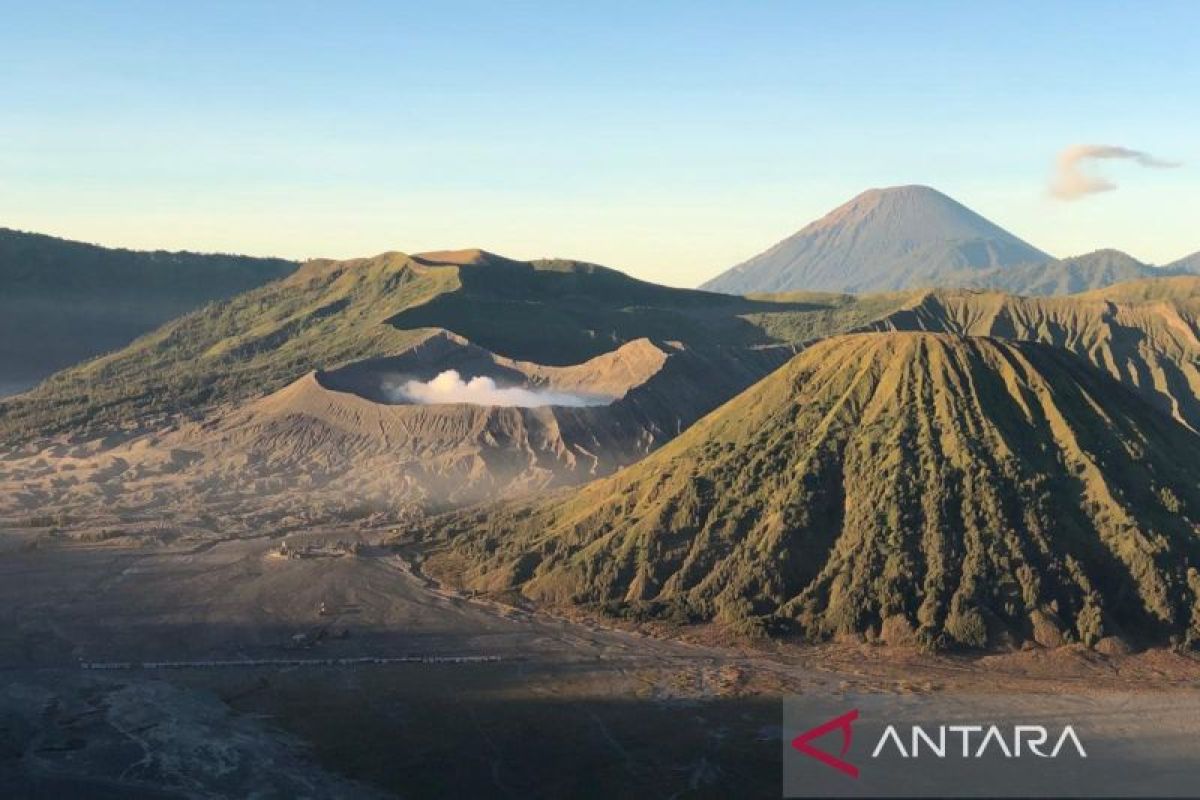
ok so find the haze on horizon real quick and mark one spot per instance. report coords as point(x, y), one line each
point(670, 141)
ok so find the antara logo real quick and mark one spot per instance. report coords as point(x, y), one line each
point(842, 723)
point(975, 741)
point(1024, 738)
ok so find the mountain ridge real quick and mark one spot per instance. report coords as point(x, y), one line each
point(1142, 333)
point(64, 301)
point(330, 313)
point(912, 237)
point(909, 487)
point(1071, 275)
point(1190, 263)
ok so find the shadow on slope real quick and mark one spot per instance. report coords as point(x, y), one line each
point(562, 312)
point(906, 487)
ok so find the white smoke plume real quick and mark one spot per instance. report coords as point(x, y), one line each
point(449, 387)
point(1070, 181)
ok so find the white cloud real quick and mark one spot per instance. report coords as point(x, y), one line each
point(1070, 181)
point(449, 387)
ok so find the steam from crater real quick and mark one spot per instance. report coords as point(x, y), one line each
point(449, 387)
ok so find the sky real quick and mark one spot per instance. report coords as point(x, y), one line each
point(667, 139)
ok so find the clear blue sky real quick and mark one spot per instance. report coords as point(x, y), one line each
point(667, 139)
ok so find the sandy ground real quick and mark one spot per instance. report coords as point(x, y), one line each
point(567, 708)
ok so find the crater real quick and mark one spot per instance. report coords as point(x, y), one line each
point(446, 369)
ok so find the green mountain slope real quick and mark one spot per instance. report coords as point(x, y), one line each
point(562, 312)
point(330, 313)
point(908, 486)
point(63, 302)
point(1143, 333)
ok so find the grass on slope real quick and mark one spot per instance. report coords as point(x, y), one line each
point(1143, 333)
point(564, 312)
point(329, 313)
point(907, 487)
point(257, 342)
point(63, 302)
point(32, 261)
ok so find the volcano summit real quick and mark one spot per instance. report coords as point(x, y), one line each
point(950, 490)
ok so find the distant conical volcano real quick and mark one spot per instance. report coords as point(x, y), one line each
point(883, 239)
point(908, 486)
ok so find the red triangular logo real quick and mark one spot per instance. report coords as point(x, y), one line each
point(841, 723)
